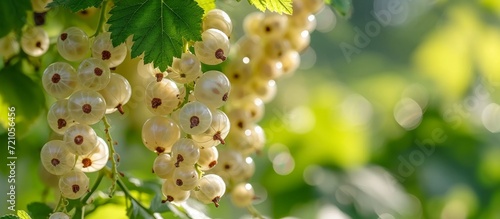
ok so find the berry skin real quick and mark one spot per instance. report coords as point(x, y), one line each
point(219, 129)
point(96, 159)
point(214, 47)
point(59, 80)
point(74, 184)
point(173, 193)
point(218, 19)
point(80, 139)
point(35, 41)
point(103, 49)
point(160, 133)
point(242, 195)
point(185, 152)
point(116, 94)
point(195, 118)
point(73, 44)
point(212, 89)
point(163, 166)
point(56, 158)
point(59, 215)
point(86, 107)
point(211, 188)
point(93, 74)
point(58, 117)
point(162, 97)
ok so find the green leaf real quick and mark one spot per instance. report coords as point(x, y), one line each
point(75, 5)
point(278, 6)
point(136, 212)
point(23, 214)
point(157, 205)
point(13, 15)
point(21, 92)
point(158, 26)
point(39, 210)
point(343, 7)
point(207, 5)
point(9, 216)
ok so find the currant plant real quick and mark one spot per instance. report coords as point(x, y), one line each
point(206, 90)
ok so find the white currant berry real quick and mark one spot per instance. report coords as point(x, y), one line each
point(299, 39)
point(56, 158)
point(104, 50)
point(86, 106)
point(59, 215)
point(80, 139)
point(208, 158)
point(173, 193)
point(254, 107)
point(96, 159)
point(304, 22)
point(58, 117)
point(35, 41)
point(212, 89)
point(163, 166)
point(263, 89)
point(9, 46)
point(185, 152)
point(238, 71)
point(248, 46)
point(273, 26)
point(160, 133)
point(218, 19)
point(290, 61)
point(73, 184)
point(242, 195)
point(247, 141)
point(268, 69)
point(313, 6)
point(186, 69)
point(117, 93)
point(213, 48)
point(230, 163)
point(93, 74)
point(195, 118)
point(162, 97)
point(216, 133)
point(73, 44)
point(252, 23)
point(185, 177)
point(210, 189)
point(59, 80)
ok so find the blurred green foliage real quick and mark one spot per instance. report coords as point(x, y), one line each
point(335, 143)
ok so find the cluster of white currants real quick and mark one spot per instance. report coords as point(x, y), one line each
point(83, 96)
point(268, 51)
point(188, 122)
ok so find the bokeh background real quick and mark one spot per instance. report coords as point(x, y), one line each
point(394, 113)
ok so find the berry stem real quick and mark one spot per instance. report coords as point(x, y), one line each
point(125, 190)
point(255, 213)
point(100, 25)
point(198, 170)
point(114, 170)
point(60, 204)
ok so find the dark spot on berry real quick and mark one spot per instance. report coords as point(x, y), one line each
point(224, 97)
point(75, 188)
point(64, 36)
point(39, 18)
point(219, 54)
point(216, 201)
point(87, 162)
point(179, 182)
point(159, 77)
point(236, 76)
point(112, 68)
point(55, 162)
point(61, 123)
point(253, 113)
point(170, 198)
point(56, 78)
point(180, 158)
point(84, 12)
point(212, 164)
point(240, 124)
point(78, 139)
point(159, 150)
point(105, 55)
point(183, 75)
point(227, 166)
point(218, 137)
point(280, 54)
point(87, 108)
point(98, 71)
point(268, 29)
point(195, 121)
point(38, 44)
point(155, 103)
